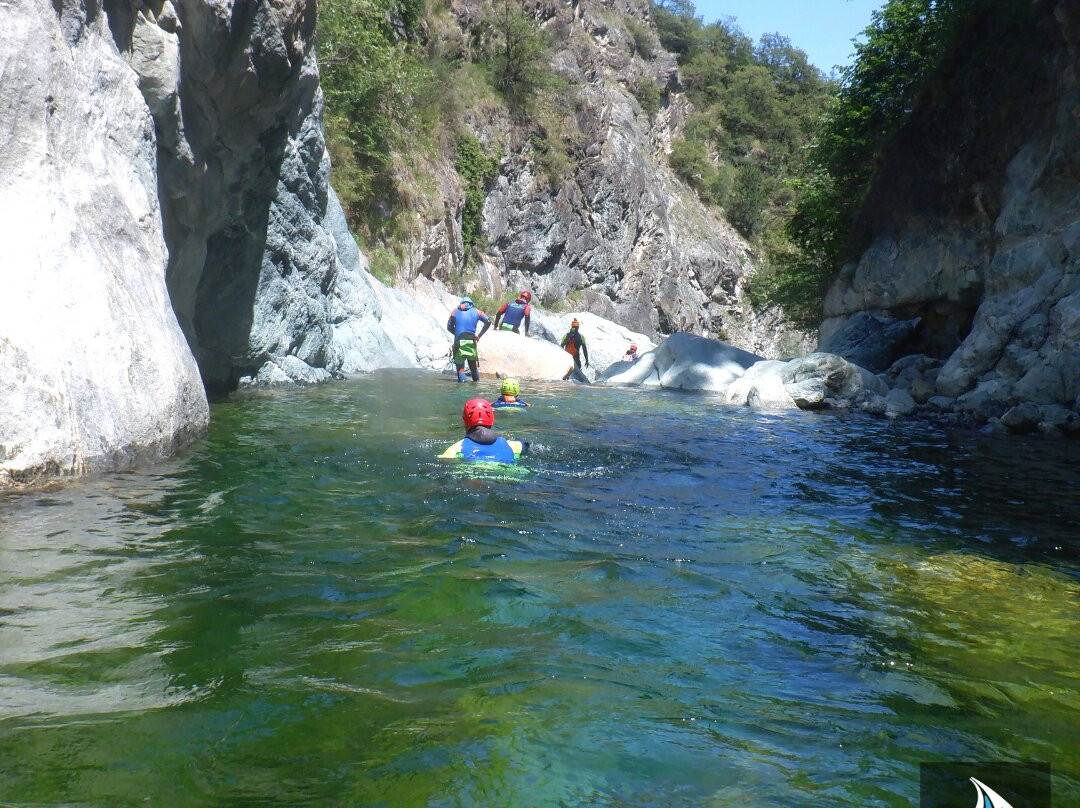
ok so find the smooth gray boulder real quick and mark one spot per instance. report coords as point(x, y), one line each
point(686, 362)
point(821, 380)
point(94, 370)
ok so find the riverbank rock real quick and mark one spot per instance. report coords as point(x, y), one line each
point(816, 381)
point(504, 353)
point(870, 341)
point(982, 242)
point(94, 371)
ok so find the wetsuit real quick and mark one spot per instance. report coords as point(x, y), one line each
point(481, 443)
point(512, 315)
point(574, 344)
point(462, 324)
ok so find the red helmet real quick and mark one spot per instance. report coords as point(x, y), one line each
point(525, 295)
point(633, 347)
point(478, 412)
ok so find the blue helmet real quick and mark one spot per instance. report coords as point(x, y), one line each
point(466, 302)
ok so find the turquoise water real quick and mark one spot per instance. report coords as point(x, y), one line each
point(679, 604)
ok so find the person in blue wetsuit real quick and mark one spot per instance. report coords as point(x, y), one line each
point(462, 324)
point(480, 441)
point(515, 313)
point(510, 398)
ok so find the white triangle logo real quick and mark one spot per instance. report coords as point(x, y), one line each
point(988, 798)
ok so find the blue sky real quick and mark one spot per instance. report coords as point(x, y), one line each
point(822, 28)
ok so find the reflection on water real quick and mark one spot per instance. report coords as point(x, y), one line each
point(680, 604)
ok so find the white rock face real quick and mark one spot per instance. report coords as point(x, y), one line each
point(94, 370)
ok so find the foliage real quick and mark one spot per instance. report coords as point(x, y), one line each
point(371, 79)
point(477, 170)
point(642, 37)
point(647, 94)
point(516, 51)
point(757, 106)
point(748, 200)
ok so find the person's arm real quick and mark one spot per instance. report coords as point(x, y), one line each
point(565, 337)
point(487, 324)
point(585, 351)
point(451, 324)
point(499, 314)
point(528, 316)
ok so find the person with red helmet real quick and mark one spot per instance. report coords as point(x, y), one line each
point(512, 314)
point(631, 354)
point(480, 441)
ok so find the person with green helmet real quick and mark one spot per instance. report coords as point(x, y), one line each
point(510, 398)
point(462, 324)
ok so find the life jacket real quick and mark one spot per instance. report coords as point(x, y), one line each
point(465, 321)
point(572, 342)
point(515, 313)
point(500, 451)
point(503, 402)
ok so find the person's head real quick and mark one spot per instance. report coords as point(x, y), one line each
point(633, 349)
point(478, 412)
point(465, 304)
point(510, 387)
point(525, 295)
point(574, 323)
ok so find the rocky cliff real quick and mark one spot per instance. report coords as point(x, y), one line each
point(614, 229)
point(972, 232)
point(94, 370)
point(166, 212)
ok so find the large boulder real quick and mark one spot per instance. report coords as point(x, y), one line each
point(821, 380)
point(504, 353)
point(684, 362)
point(94, 370)
point(689, 362)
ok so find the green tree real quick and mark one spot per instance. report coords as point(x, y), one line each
point(518, 52)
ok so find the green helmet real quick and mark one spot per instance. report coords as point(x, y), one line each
point(510, 387)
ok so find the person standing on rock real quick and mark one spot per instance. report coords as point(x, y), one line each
point(574, 344)
point(514, 313)
point(462, 324)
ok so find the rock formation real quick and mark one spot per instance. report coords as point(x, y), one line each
point(94, 370)
point(973, 226)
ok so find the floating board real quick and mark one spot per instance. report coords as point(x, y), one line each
point(453, 452)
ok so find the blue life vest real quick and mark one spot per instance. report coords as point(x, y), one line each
point(465, 321)
point(500, 451)
point(514, 314)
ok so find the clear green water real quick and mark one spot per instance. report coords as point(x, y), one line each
point(681, 605)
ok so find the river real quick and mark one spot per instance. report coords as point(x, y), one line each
point(679, 603)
